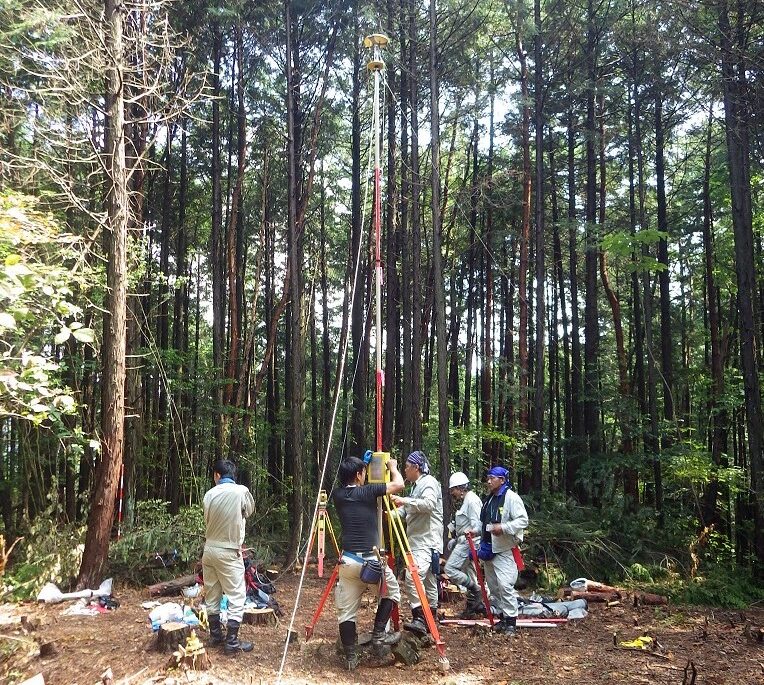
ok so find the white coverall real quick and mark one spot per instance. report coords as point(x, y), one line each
point(423, 512)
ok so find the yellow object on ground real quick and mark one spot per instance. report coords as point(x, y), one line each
point(638, 643)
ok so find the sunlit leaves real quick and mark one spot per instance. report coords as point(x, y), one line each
point(40, 271)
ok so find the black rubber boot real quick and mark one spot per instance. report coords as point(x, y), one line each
point(216, 630)
point(232, 643)
point(510, 626)
point(474, 605)
point(499, 626)
point(380, 640)
point(349, 638)
point(418, 625)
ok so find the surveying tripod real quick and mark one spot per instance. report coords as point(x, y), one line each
point(397, 536)
point(318, 533)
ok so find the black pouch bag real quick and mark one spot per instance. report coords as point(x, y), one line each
point(371, 571)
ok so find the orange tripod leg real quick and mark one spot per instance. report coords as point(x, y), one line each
point(321, 602)
point(429, 618)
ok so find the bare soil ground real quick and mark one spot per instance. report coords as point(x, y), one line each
point(711, 643)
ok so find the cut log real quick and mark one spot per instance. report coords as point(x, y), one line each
point(593, 596)
point(259, 617)
point(171, 635)
point(170, 587)
point(594, 586)
point(648, 599)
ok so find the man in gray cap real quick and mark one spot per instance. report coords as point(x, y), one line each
point(459, 567)
point(504, 519)
point(423, 512)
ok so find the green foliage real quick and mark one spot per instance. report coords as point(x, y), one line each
point(48, 553)
point(551, 577)
point(637, 573)
point(157, 533)
point(41, 267)
point(624, 245)
point(689, 463)
point(723, 586)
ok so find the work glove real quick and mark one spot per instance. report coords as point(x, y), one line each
point(452, 528)
point(451, 544)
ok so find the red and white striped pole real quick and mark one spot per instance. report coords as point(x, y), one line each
point(121, 499)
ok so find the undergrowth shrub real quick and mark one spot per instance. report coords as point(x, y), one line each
point(159, 545)
point(566, 540)
point(46, 554)
point(730, 588)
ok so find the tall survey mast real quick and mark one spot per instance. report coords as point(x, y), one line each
point(378, 467)
point(377, 41)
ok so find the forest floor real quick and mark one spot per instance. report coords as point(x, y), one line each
point(711, 641)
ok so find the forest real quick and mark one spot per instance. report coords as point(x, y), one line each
point(572, 252)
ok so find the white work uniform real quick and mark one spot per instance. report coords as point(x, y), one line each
point(501, 571)
point(226, 507)
point(459, 568)
point(423, 511)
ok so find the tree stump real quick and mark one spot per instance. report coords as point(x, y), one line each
point(171, 635)
point(259, 617)
point(452, 593)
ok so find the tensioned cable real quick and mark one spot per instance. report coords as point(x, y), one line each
point(340, 372)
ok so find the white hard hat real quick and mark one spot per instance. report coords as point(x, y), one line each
point(458, 479)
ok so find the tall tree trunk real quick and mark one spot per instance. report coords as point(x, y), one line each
point(486, 374)
point(179, 340)
point(576, 443)
point(471, 251)
point(631, 474)
point(538, 403)
point(667, 363)
point(217, 253)
point(525, 230)
point(294, 265)
point(359, 256)
point(439, 288)
point(407, 420)
point(591, 312)
point(560, 280)
point(163, 324)
point(733, 47)
point(113, 385)
point(417, 313)
point(716, 409)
